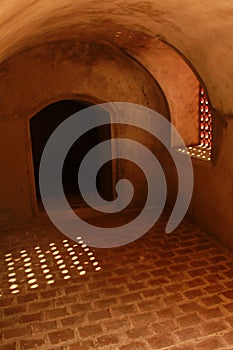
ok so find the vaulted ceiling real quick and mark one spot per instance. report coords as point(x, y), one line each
point(201, 31)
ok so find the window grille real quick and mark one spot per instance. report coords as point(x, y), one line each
point(205, 124)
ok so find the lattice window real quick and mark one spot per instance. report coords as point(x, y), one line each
point(203, 149)
point(205, 120)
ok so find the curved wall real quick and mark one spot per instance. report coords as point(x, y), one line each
point(201, 32)
point(94, 72)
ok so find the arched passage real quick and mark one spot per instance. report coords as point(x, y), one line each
point(42, 125)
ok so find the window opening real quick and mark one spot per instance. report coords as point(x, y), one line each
point(203, 149)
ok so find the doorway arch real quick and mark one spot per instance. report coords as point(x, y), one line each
point(64, 70)
point(43, 124)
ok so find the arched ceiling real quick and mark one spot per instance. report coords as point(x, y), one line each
point(201, 31)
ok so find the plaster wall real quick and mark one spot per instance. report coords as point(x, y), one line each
point(94, 72)
point(212, 204)
point(179, 84)
point(201, 31)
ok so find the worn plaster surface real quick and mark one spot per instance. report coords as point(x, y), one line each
point(201, 32)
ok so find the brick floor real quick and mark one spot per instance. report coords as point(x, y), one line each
point(161, 292)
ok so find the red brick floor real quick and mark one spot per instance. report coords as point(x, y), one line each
point(161, 292)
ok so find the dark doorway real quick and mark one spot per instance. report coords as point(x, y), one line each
point(42, 126)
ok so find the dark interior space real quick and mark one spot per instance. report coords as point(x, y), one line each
point(42, 126)
point(135, 287)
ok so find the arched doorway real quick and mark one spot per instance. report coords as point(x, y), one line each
point(42, 126)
